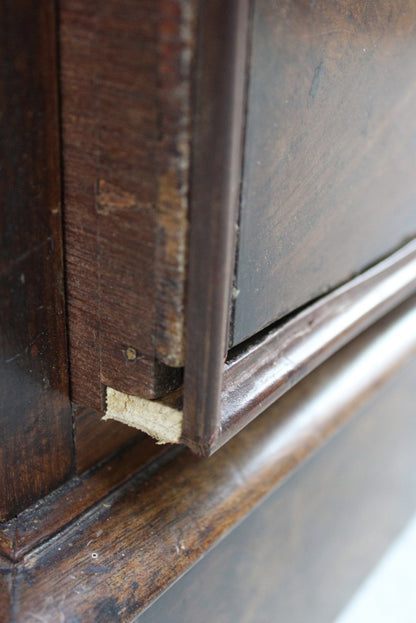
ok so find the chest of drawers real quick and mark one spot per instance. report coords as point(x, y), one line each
point(208, 216)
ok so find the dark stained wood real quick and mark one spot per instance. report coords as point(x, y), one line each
point(35, 418)
point(216, 168)
point(260, 374)
point(117, 560)
point(214, 399)
point(95, 440)
point(328, 185)
point(125, 102)
point(302, 555)
point(63, 506)
point(256, 375)
point(132, 216)
point(77, 65)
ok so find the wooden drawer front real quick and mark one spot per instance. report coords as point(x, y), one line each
point(328, 181)
point(316, 102)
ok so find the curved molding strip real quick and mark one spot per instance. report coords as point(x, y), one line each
point(185, 501)
point(264, 371)
point(270, 365)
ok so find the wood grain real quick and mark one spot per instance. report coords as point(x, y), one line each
point(125, 102)
point(304, 552)
point(35, 418)
point(116, 561)
point(95, 440)
point(219, 106)
point(77, 58)
point(39, 523)
point(328, 183)
point(7, 538)
point(176, 54)
point(258, 373)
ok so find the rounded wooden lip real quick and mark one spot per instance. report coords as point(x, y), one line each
point(270, 365)
point(249, 382)
point(156, 527)
point(264, 372)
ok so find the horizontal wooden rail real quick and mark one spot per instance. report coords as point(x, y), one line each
point(263, 372)
point(158, 529)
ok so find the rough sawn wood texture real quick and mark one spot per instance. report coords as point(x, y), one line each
point(126, 124)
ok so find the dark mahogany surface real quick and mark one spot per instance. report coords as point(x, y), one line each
point(303, 553)
point(329, 521)
point(35, 419)
point(328, 182)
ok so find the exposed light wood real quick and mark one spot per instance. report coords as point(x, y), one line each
point(99, 520)
point(185, 139)
point(257, 375)
point(156, 418)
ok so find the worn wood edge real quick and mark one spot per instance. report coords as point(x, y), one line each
point(160, 420)
point(216, 161)
point(258, 376)
point(129, 172)
point(185, 499)
point(50, 515)
point(175, 58)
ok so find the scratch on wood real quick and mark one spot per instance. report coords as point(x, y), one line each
point(111, 198)
point(316, 80)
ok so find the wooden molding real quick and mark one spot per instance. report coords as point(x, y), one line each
point(258, 373)
point(38, 523)
point(214, 211)
point(184, 500)
point(135, 244)
point(261, 373)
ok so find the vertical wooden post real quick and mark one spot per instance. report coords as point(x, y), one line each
point(35, 416)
